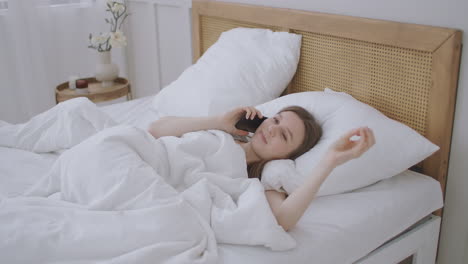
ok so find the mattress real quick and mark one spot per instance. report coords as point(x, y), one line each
point(334, 229)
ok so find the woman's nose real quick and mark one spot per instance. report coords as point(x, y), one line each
point(272, 130)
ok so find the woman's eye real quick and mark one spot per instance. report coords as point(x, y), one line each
point(276, 120)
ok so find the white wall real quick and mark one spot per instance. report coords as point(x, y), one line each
point(159, 43)
point(174, 49)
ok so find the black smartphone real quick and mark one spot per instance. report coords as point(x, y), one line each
point(250, 125)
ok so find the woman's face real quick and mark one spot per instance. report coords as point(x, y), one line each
point(278, 136)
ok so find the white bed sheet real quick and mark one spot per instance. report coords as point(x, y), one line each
point(335, 229)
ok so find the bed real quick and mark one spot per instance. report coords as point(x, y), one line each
point(391, 218)
point(409, 73)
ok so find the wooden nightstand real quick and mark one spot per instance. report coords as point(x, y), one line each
point(96, 93)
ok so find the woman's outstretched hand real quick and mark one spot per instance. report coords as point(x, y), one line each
point(345, 149)
point(228, 120)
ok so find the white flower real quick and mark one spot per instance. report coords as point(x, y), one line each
point(97, 40)
point(117, 8)
point(117, 39)
point(104, 42)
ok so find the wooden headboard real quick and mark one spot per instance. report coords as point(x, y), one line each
point(408, 72)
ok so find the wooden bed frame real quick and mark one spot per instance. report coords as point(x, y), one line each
point(409, 72)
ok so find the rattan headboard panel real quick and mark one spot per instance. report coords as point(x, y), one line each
point(376, 74)
point(409, 72)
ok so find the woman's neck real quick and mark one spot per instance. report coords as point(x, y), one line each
point(250, 154)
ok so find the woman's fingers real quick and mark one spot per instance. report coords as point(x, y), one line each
point(359, 145)
point(355, 147)
point(352, 132)
point(345, 142)
point(259, 114)
point(251, 112)
point(366, 141)
point(247, 113)
point(372, 137)
point(241, 132)
point(345, 149)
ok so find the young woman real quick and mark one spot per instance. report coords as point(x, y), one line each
point(287, 135)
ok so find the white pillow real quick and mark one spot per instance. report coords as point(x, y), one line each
point(246, 66)
point(397, 147)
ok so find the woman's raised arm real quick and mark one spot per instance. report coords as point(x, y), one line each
point(177, 126)
point(288, 210)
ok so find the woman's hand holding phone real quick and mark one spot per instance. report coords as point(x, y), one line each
point(229, 120)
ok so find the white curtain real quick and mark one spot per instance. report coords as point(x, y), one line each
point(40, 47)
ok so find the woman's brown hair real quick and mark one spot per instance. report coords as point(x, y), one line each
point(313, 132)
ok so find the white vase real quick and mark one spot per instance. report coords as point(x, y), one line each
point(106, 71)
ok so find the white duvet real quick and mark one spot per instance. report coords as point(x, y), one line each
point(117, 195)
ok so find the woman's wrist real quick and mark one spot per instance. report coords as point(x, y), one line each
point(218, 123)
point(328, 162)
